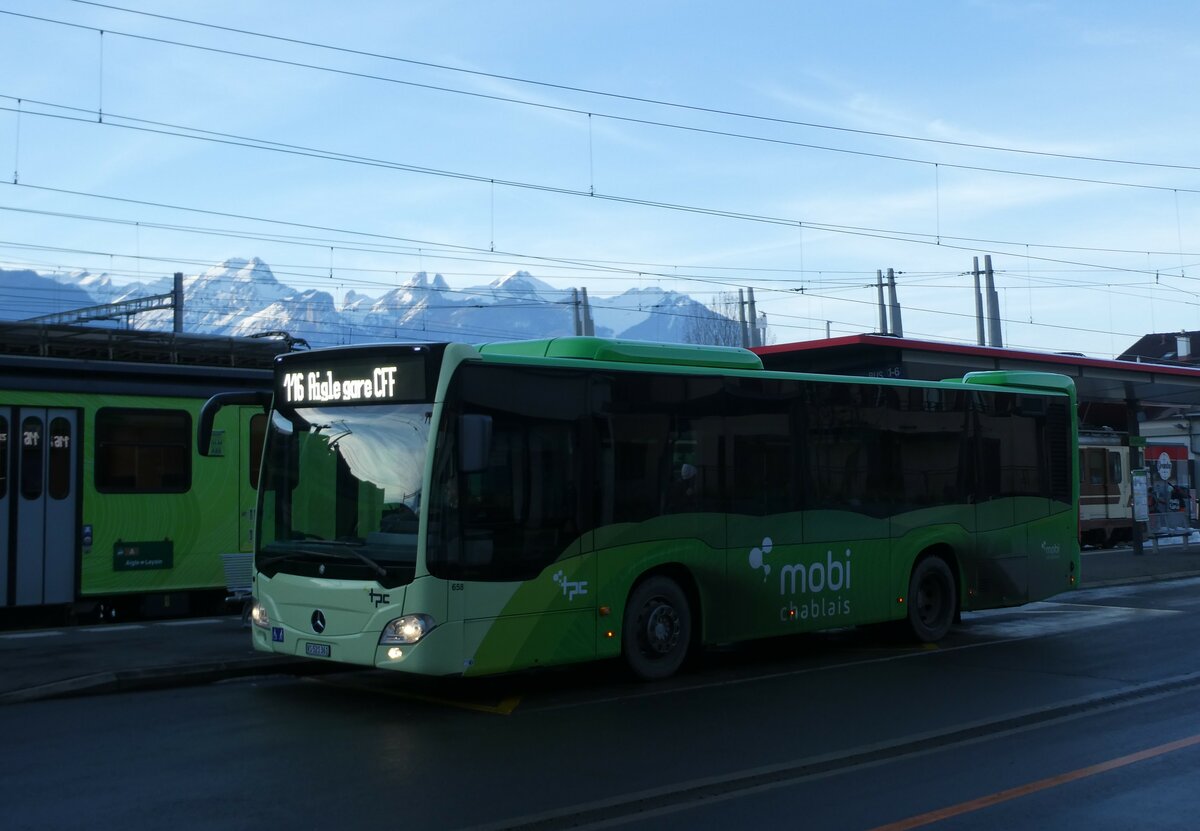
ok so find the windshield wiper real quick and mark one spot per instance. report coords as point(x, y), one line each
point(330, 555)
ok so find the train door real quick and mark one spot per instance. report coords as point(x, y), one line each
point(39, 505)
point(1104, 495)
point(252, 427)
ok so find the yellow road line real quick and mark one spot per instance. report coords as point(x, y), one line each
point(1033, 787)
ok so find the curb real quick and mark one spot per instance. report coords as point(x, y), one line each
point(1144, 578)
point(154, 678)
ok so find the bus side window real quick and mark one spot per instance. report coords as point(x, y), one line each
point(851, 461)
point(928, 432)
point(635, 414)
point(764, 473)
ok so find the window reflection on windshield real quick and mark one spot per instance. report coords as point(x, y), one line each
point(348, 475)
point(383, 446)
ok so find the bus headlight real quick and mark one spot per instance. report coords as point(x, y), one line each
point(407, 629)
point(259, 616)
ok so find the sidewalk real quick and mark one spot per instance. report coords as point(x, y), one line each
point(83, 660)
point(1170, 560)
point(76, 660)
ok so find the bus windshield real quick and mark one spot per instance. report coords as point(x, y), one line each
point(342, 491)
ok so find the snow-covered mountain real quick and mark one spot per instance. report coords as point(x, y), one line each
point(243, 297)
point(26, 293)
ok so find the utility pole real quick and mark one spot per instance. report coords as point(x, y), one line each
point(994, 336)
point(177, 301)
point(894, 305)
point(883, 326)
point(979, 341)
point(754, 339)
point(575, 311)
point(589, 327)
point(742, 318)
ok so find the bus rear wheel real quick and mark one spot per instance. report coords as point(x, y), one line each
point(932, 600)
point(657, 630)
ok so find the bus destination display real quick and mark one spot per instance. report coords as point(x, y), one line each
point(357, 383)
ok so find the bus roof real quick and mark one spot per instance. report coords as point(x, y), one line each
point(650, 356)
point(1032, 379)
point(696, 356)
point(629, 351)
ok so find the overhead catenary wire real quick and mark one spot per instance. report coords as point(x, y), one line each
point(898, 235)
point(669, 313)
point(259, 219)
point(645, 122)
point(567, 87)
point(264, 144)
point(596, 269)
point(918, 238)
point(366, 331)
point(932, 238)
point(634, 98)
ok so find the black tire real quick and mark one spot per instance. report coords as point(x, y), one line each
point(932, 600)
point(657, 630)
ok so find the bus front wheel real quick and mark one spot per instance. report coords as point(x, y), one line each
point(932, 600)
point(657, 631)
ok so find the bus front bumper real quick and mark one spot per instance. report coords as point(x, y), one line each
point(438, 652)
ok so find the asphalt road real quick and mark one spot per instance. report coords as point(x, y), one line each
point(1076, 713)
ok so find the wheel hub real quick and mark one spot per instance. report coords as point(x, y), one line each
point(929, 601)
point(662, 629)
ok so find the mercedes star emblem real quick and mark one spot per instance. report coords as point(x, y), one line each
point(318, 621)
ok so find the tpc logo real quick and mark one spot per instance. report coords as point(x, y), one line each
point(570, 588)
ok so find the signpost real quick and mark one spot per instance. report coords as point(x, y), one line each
point(1141, 493)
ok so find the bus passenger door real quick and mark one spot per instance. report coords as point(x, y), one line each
point(41, 501)
point(530, 596)
point(252, 426)
point(1001, 541)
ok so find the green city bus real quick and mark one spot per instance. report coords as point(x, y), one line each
point(449, 509)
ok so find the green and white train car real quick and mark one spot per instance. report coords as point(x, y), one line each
point(104, 503)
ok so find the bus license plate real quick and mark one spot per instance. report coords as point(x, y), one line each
point(317, 650)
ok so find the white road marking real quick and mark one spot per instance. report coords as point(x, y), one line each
point(124, 627)
point(1051, 618)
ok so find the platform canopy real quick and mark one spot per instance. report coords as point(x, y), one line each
point(1109, 390)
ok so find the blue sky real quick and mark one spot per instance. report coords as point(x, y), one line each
point(791, 147)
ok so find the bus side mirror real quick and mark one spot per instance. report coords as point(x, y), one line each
point(208, 413)
point(474, 442)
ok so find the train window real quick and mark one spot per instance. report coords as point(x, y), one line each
point(32, 439)
point(3, 457)
point(143, 451)
point(1095, 467)
point(60, 459)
